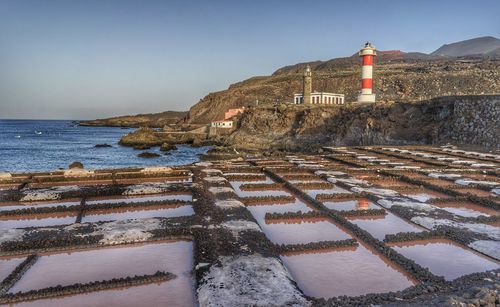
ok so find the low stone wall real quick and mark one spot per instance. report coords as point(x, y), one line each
point(476, 120)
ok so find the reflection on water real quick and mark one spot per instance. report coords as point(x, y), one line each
point(344, 272)
point(259, 193)
point(21, 205)
point(443, 258)
point(137, 213)
point(140, 199)
point(236, 186)
point(380, 226)
point(304, 232)
point(260, 211)
point(173, 257)
point(466, 209)
point(353, 204)
point(38, 220)
point(425, 195)
point(8, 265)
point(106, 263)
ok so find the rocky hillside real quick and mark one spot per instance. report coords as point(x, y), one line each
point(398, 76)
point(476, 46)
point(460, 120)
point(154, 120)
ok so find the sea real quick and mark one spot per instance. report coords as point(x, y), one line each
point(48, 145)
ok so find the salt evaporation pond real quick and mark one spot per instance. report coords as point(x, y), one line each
point(444, 258)
point(140, 199)
point(259, 212)
point(380, 226)
point(336, 190)
point(258, 193)
point(174, 257)
point(7, 265)
point(26, 205)
point(136, 213)
point(466, 209)
point(303, 232)
point(351, 204)
point(351, 272)
point(38, 220)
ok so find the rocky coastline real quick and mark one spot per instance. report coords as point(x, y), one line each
point(459, 120)
point(154, 120)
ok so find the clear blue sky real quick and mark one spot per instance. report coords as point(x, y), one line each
point(86, 59)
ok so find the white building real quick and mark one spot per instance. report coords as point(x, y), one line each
point(222, 124)
point(320, 98)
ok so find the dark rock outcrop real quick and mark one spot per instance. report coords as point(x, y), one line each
point(76, 164)
point(461, 120)
point(102, 146)
point(142, 136)
point(148, 155)
point(166, 147)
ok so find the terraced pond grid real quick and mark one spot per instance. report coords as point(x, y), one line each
point(350, 226)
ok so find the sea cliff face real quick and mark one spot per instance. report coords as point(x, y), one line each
point(471, 120)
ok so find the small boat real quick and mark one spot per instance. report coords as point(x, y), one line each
point(18, 136)
point(38, 132)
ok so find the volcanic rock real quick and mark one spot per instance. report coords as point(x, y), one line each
point(148, 155)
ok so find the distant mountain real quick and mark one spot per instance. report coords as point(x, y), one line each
point(153, 120)
point(476, 46)
point(494, 54)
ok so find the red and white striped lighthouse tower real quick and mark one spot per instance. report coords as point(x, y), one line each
point(367, 53)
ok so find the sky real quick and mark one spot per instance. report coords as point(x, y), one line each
point(85, 59)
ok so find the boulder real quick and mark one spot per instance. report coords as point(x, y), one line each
point(165, 147)
point(76, 164)
point(148, 155)
point(102, 145)
point(140, 137)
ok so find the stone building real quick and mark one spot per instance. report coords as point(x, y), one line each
point(307, 85)
point(233, 112)
point(226, 125)
point(309, 97)
point(222, 124)
point(320, 98)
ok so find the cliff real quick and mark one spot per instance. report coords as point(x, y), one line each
point(470, 120)
point(398, 76)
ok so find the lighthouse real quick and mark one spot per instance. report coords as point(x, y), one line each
point(367, 53)
point(307, 85)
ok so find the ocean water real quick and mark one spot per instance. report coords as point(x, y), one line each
point(46, 145)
